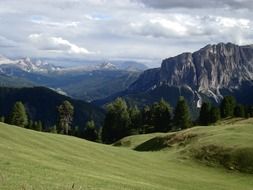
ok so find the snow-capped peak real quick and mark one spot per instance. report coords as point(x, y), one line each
point(107, 65)
point(26, 64)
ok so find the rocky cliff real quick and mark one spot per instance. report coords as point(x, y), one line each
point(207, 71)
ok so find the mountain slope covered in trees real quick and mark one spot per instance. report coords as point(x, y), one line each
point(41, 105)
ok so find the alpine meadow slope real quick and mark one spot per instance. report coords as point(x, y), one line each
point(36, 160)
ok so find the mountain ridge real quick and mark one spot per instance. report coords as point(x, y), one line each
point(205, 71)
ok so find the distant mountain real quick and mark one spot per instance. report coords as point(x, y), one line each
point(8, 66)
point(92, 85)
point(131, 66)
point(207, 74)
point(9, 81)
point(41, 104)
point(83, 82)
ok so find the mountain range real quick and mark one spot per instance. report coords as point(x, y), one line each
point(86, 82)
point(208, 74)
point(205, 75)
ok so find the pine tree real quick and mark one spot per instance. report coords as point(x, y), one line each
point(161, 116)
point(182, 118)
point(239, 111)
point(117, 121)
point(136, 120)
point(214, 115)
point(90, 131)
point(39, 126)
point(30, 124)
point(18, 115)
point(53, 129)
point(65, 111)
point(227, 106)
point(2, 119)
point(204, 114)
point(147, 123)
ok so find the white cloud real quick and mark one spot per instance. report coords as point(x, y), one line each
point(185, 26)
point(57, 44)
point(128, 29)
point(56, 24)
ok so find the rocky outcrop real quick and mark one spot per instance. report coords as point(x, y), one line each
point(214, 67)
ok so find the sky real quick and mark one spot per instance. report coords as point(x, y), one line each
point(142, 30)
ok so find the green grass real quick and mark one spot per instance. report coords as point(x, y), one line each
point(35, 160)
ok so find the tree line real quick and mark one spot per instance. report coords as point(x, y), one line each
point(19, 117)
point(121, 120)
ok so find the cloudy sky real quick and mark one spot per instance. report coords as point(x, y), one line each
point(144, 30)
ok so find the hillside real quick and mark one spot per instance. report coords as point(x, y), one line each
point(83, 85)
point(41, 104)
point(35, 160)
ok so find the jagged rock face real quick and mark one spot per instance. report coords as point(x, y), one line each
point(147, 80)
point(211, 68)
point(179, 70)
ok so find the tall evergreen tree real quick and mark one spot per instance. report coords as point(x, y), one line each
point(117, 121)
point(239, 111)
point(18, 115)
point(227, 106)
point(65, 117)
point(214, 114)
point(147, 124)
point(30, 124)
point(136, 120)
point(204, 114)
point(90, 131)
point(182, 119)
point(39, 126)
point(161, 116)
point(2, 119)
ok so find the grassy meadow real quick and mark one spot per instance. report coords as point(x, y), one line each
point(195, 159)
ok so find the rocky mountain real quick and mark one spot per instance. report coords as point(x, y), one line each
point(83, 82)
point(9, 66)
point(209, 73)
point(130, 66)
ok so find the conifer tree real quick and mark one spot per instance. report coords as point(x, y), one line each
point(30, 124)
point(90, 131)
point(214, 114)
point(18, 115)
point(227, 106)
point(182, 118)
point(2, 119)
point(65, 117)
point(117, 121)
point(239, 111)
point(204, 114)
point(136, 120)
point(161, 116)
